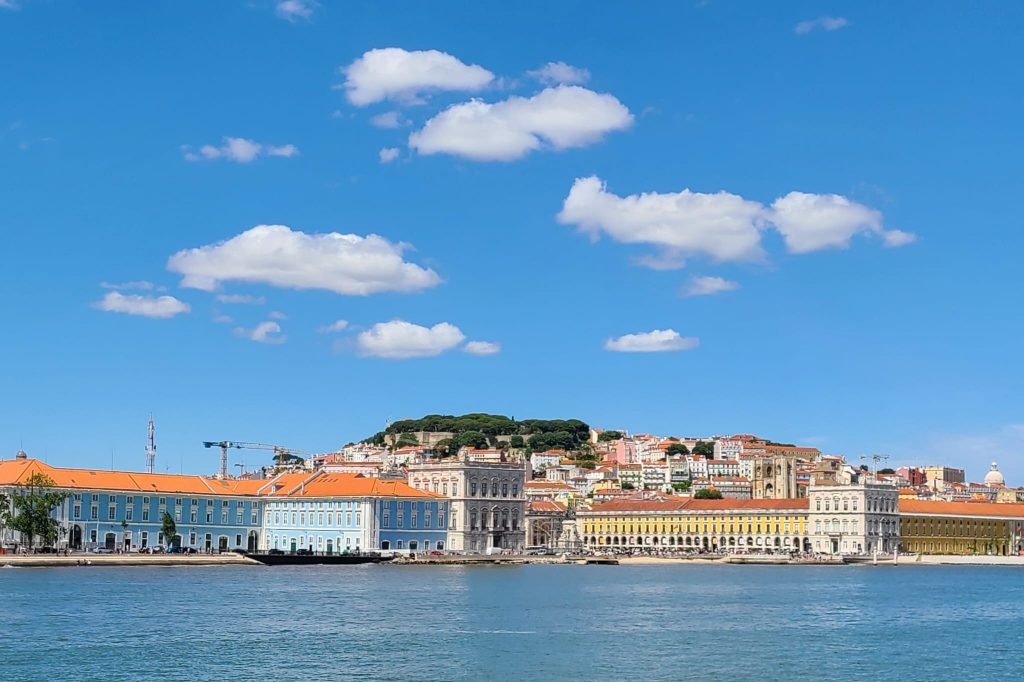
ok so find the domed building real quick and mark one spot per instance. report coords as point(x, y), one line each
point(994, 478)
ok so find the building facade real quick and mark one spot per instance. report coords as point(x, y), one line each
point(687, 524)
point(487, 500)
point(857, 519)
point(974, 528)
point(774, 478)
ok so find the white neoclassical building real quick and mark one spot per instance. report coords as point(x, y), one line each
point(488, 500)
point(858, 519)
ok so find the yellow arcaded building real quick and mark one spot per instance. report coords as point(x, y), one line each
point(687, 523)
point(936, 527)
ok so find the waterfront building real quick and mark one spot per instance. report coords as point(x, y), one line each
point(124, 511)
point(329, 513)
point(552, 525)
point(677, 523)
point(856, 519)
point(487, 500)
point(940, 527)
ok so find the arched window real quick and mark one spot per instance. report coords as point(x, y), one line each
point(472, 519)
point(472, 486)
point(504, 488)
point(846, 504)
point(817, 504)
point(413, 545)
point(494, 488)
point(401, 544)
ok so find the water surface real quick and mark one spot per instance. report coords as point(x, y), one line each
point(512, 623)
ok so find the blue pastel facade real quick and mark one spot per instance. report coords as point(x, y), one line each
point(130, 521)
point(415, 525)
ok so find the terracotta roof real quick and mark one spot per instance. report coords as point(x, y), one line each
point(548, 485)
point(546, 506)
point(356, 485)
point(938, 507)
point(691, 504)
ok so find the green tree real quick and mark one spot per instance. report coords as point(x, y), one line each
point(708, 494)
point(470, 439)
point(704, 448)
point(33, 505)
point(406, 440)
point(677, 449)
point(682, 486)
point(443, 447)
point(887, 470)
point(626, 485)
point(517, 441)
point(606, 436)
point(169, 529)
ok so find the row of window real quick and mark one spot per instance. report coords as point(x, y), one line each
point(475, 487)
point(874, 504)
point(90, 498)
point(129, 515)
point(298, 519)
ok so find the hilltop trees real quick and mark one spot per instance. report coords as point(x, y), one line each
point(704, 448)
point(31, 510)
point(676, 449)
point(482, 430)
point(609, 435)
point(708, 494)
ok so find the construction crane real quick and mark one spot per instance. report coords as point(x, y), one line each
point(282, 455)
point(875, 459)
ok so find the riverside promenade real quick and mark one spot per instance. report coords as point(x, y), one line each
point(38, 560)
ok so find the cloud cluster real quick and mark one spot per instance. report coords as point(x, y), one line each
point(657, 341)
point(389, 154)
point(346, 264)
point(264, 332)
point(159, 307)
point(560, 73)
point(399, 339)
point(707, 286)
point(405, 76)
point(823, 23)
point(482, 348)
point(558, 118)
point(243, 299)
point(334, 327)
point(295, 10)
point(723, 226)
point(239, 150)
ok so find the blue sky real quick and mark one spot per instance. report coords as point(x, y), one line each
point(875, 310)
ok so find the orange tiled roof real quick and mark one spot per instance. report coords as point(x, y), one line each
point(939, 507)
point(356, 485)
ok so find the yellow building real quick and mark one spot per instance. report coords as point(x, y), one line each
point(690, 524)
point(936, 527)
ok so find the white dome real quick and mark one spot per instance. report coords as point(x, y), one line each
point(994, 477)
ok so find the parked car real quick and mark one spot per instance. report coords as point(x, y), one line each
point(436, 552)
point(304, 552)
point(276, 552)
point(102, 550)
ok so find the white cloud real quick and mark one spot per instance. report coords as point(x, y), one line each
point(389, 119)
point(334, 327)
point(295, 10)
point(707, 286)
point(896, 238)
point(221, 318)
point(264, 332)
point(239, 150)
point(657, 341)
point(161, 307)
point(389, 154)
point(812, 222)
point(723, 226)
point(824, 23)
point(274, 254)
point(560, 73)
point(400, 339)
point(141, 285)
point(8, 4)
point(277, 315)
point(482, 348)
point(559, 118)
point(395, 74)
point(244, 299)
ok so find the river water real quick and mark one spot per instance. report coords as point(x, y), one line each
point(512, 623)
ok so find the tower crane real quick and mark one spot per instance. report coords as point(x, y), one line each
point(875, 460)
point(282, 455)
